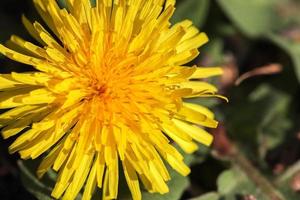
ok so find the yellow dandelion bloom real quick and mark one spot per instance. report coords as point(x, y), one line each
point(108, 90)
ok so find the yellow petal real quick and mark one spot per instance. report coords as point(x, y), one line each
point(192, 43)
point(90, 184)
point(178, 165)
point(200, 109)
point(16, 113)
point(29, 60)
point(6, 82)
point(194, 116)
point(132, 181)
point(33, 78)
point(49, 160)
point(205, 72)
point(198, 134)
point(28, 25)
point(199, 87)
point(10, 99)
point(79, 177)
point(23, 122)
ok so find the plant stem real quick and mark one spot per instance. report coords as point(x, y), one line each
point(261, 182)
point(292, 170)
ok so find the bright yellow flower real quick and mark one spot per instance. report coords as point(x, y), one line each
point(108, 89)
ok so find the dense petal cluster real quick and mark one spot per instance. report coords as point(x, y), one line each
point(108, 90)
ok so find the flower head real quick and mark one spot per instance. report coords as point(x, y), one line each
point(108, 90)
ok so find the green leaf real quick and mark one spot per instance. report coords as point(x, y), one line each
point(208, 196)
point(233, 183)
point(195, 10)
point(62, 3)
point(284, 181)
point(40, 188)
point(214, 51)
point(254, 18)
point(291, 47)
point(177, 186)
point(265, 119)
point(275, 122)
point(227, 182)
point(32, 183)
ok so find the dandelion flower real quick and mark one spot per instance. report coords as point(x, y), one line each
point(107, 91)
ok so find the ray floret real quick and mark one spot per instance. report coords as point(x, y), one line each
point(107, 93)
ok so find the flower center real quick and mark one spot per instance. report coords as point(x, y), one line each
point(100, 89)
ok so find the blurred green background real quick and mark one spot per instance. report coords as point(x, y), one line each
point(257, 145)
